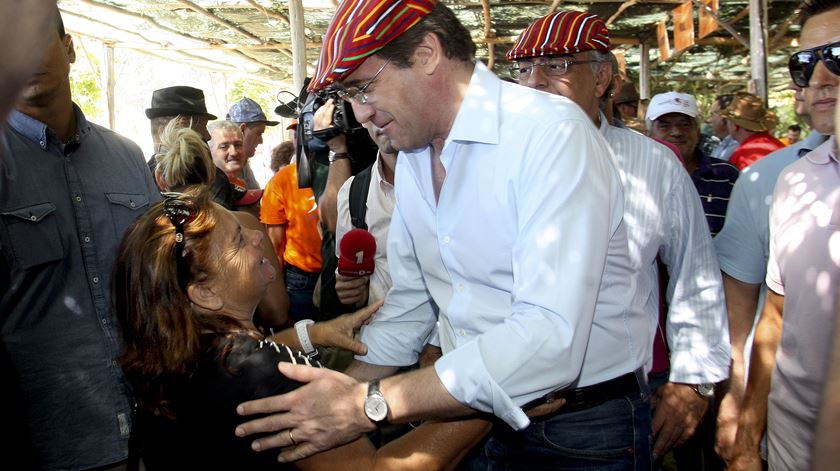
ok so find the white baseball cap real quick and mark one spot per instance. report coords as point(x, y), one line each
point(671, 102)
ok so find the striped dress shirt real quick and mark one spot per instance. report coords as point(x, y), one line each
point(664, 217)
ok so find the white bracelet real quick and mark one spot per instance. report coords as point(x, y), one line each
point(301, 327)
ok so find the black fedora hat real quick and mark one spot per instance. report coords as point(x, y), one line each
point(172, 101)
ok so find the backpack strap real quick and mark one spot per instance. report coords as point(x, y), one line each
point(358, 197)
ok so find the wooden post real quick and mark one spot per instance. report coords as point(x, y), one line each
point(644, 71)
point(758, 48)
point(109, 81)
point(298, 43)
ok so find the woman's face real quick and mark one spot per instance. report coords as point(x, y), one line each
point(243, 272)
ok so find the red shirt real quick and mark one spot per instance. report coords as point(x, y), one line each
point(754, 148)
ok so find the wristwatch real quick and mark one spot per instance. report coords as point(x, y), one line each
point(705, 390)
point(338, 156)
point(302, 329)
point(376, 409)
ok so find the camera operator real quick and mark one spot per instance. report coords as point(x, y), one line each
point(340, 165)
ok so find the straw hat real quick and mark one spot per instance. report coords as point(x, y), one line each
point(748, 111)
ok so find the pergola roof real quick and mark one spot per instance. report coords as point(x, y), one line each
point(253, 37)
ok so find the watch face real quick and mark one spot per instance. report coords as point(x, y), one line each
point(376, 408)
point(706, 389)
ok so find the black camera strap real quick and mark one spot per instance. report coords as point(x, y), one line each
point(359, 188)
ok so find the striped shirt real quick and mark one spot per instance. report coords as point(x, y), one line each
point(714, 179)
point(664, 218)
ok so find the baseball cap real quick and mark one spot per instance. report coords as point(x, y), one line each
point(562, 32)
point(358, 29)
point(247, 110)
point(671, 102)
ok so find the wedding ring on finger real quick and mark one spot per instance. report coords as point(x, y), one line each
point(292, 438)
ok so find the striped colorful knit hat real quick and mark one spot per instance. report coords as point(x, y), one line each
point(359, 29)
point(562, 32)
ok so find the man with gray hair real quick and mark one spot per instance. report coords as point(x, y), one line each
point(676, 234)
point(227, 149)
point(248, 114)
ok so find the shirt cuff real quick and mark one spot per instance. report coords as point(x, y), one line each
point(463, 373)
point(697, 367)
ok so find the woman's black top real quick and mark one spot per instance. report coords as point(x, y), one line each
point(202, 434)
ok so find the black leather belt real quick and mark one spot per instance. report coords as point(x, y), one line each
point(591, 396)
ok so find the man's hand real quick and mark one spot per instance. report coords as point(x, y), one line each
point(326, 412)
point(323, 120)
point(743, 460)
point(679, 410)
point(727, 427)
point(352, 290)
point(340, 332)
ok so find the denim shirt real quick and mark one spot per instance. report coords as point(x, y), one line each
point(63, 211)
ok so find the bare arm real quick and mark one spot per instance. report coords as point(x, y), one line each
point(338, 332)
point(415, 395)
point(753, 418)
point(277, 235)
point(432, 446)
point(826, 453)
point(741, 303)
point(340, 171)
point(274, 306)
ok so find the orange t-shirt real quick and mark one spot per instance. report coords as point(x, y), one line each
point(283, 203)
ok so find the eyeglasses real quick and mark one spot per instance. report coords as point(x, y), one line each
point(801, 65)
point(180, 212)
point(359, 94)
point(553, 67)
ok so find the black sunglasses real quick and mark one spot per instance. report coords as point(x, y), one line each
point(801, 65)
point(180, 212)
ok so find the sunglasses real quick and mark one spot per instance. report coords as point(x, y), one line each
point(180, 212)
point(801, 65)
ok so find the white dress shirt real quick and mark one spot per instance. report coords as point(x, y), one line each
point(665, 218)
point(380, 206)
point(525, 255)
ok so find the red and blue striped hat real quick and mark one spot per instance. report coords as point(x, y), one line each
point(562, 32)
point(359, 29)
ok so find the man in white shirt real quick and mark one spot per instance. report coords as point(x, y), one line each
point(663, 216)
point(379, 202)
point(507, 233)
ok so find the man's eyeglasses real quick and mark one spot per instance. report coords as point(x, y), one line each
point(180, 212)
point(801, 65)
point(358, 94)
point(553, 67)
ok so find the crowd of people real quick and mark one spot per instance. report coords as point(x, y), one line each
point(539, 273)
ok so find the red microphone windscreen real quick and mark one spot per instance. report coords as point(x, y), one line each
point(356, 253)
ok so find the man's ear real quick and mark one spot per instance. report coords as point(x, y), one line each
point(243, 127)
point(204, 296)
point(428, 54)
point(71, 50)
point(603, 79)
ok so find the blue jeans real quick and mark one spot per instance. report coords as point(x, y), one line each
point(301, 286)
point(614, 435)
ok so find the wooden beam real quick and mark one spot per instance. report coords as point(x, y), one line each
point(627, 4)
point(160, 27)
point(269, 12)
point(725, 25)
point(227, 24)
point(491, 48)
point(296, 14)
point(553, 7)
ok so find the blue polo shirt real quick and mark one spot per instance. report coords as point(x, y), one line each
point(714, 179)
point(63, 211)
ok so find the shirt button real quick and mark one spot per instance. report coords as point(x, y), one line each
point(461, 288)
point(96, 280)
point(78, 198)
point(462, 333)
point(87, 239)
point(33, 218)
point(446, 239)
point(131, 203)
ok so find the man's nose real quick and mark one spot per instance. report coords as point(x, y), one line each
point(362, 112)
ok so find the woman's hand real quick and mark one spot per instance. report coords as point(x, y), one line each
point(339, 332)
